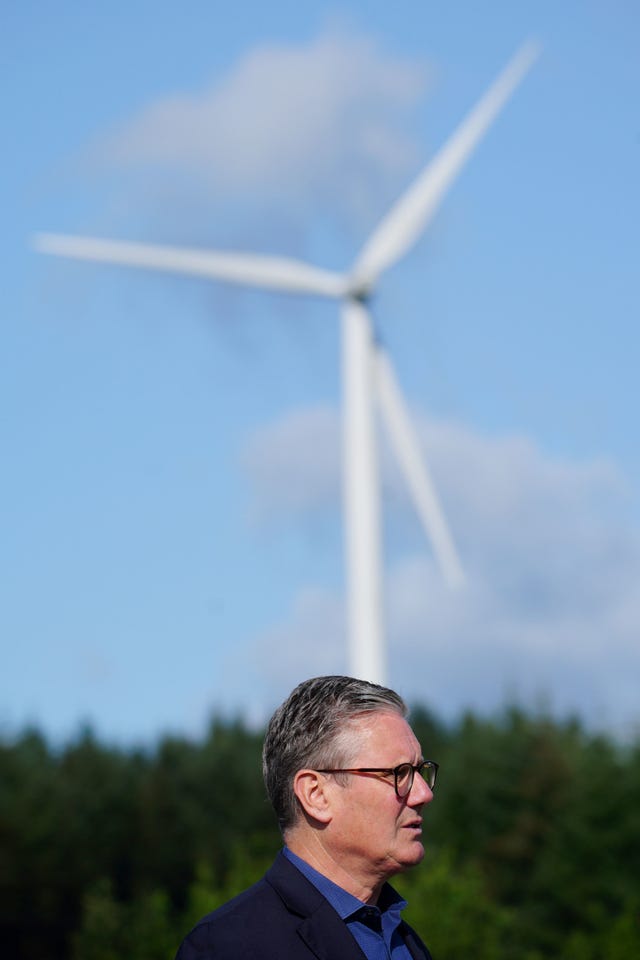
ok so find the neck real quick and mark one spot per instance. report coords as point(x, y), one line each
point(313, 849)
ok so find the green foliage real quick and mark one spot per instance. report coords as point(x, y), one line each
point(206, 894)
point(142, 929)
point(533, 842)
point(622, 939)
point(450, 907)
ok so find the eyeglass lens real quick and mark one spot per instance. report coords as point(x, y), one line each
point(404, 777)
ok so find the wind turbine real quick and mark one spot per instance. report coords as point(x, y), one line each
point(366, 368)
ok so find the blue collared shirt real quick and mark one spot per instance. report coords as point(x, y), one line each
point(375, 928)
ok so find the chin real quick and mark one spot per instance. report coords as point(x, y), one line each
point(411, 858)
point(416, 855)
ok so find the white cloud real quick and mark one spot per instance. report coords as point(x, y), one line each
point(318, 616)
point(305, 126)
point(294, 465)
point(551, 610)
point(311, 642)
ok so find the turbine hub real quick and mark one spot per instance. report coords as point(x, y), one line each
point(359, 289)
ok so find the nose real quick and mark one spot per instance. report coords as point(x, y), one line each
point(420, 792)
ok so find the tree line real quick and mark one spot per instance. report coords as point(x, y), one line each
point(533, 841)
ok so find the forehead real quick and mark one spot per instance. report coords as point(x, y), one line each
point(386, 738)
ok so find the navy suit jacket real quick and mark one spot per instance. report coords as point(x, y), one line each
point(282, 917)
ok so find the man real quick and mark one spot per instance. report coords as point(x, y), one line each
point(348, 782)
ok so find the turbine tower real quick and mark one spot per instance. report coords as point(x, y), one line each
point(366, 368)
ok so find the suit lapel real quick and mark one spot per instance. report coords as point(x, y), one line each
point(320, 927)
point(414, 944)
point(328, 936)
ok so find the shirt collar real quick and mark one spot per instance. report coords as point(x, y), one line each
point(344, 903)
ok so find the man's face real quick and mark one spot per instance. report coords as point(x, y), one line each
point(374, 832)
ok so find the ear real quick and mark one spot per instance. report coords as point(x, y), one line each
point(312, 790)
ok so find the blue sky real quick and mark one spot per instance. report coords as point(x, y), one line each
point(170, 532)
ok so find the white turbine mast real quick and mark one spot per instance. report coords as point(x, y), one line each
point(367, 370)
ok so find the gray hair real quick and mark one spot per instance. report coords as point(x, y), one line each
point(312, 729)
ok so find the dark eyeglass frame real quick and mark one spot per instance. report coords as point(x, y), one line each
point(398, 772)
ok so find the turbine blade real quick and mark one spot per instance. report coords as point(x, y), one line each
point(275, 273)
point(407, 450)
point(408, 218)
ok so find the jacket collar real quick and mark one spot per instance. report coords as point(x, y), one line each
point(325, 934)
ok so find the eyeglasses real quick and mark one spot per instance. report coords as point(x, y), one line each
point(403, 774)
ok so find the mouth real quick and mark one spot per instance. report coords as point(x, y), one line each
point(415, 826)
